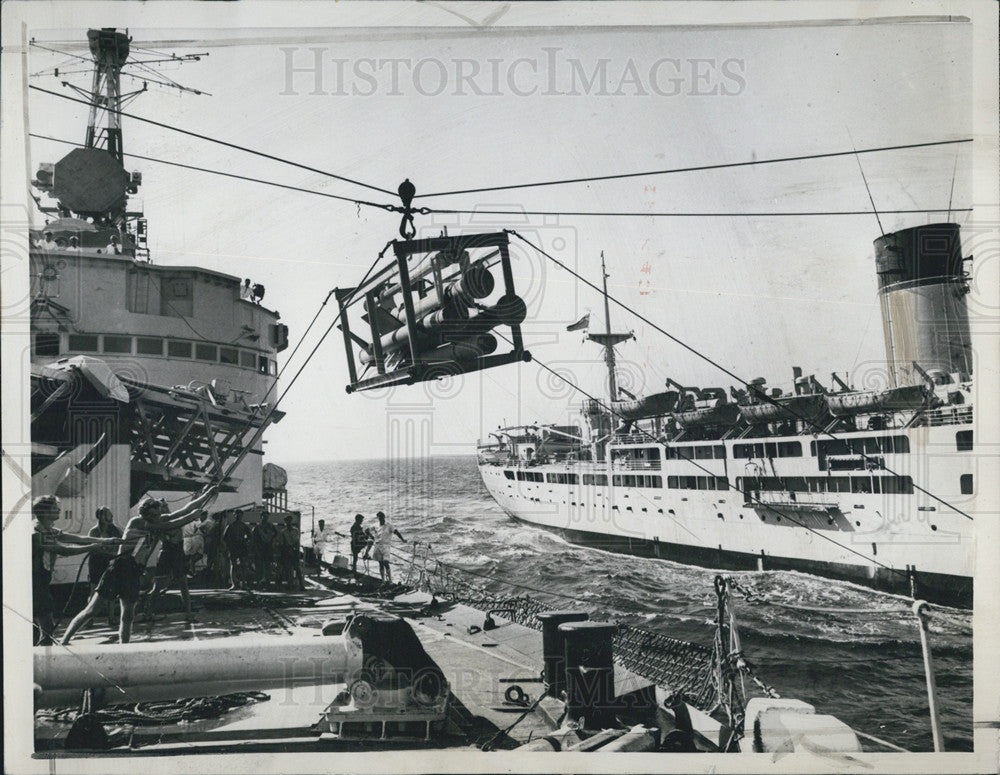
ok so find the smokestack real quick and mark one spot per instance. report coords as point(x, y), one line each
point(922, 291)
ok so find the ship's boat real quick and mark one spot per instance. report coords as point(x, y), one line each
point(716, 413)
point(894, 399)
point(655, 405)
point(806, 407)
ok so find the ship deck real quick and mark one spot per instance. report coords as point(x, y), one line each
point(479, 665)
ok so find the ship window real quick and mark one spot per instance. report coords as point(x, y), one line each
point(228, 355)
point(719, 451)
point(117, 344)
point(272, 369)
point(963, 440)
point(176, 349)
point(838, 484)
point(248, 359)
point(46, 344)
point(148, 345)
point(795, 484)
point(966, 484)
point(509, 474)
point(655, 481)
point(206, 352)
point(177, 297)
point(672, 482)
point(703, 453)
point(83, 343)
point(861, 484)
point(789, 449)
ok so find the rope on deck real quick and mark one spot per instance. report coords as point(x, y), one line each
point(153, 714)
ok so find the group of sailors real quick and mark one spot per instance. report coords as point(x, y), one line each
point(374, 543)
point(237, 554)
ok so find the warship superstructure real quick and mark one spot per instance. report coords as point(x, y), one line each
point(145, 378)
point(868, 485)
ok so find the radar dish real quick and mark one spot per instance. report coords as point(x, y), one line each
point(90, 181)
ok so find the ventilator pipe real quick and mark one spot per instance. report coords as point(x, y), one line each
point(140, 672)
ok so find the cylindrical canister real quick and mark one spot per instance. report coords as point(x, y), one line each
point(554, 648)
point(590, 676)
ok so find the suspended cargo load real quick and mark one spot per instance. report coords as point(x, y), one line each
point(905, 398)
point(433, 312)
point(655, 405)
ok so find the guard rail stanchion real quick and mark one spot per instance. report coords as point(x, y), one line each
point(919, 606)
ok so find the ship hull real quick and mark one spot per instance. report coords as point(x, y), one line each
point(894, 543)
point(940, 588)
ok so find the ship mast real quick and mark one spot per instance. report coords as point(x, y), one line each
point(609, 348)
point(608, 340)
point(91, 182)
point(110, 50)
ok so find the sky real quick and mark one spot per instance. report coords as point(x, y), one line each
point(461, 107)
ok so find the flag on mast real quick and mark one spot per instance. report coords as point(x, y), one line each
point(581, 324)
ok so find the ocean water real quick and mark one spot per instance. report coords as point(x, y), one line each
point(850, 651)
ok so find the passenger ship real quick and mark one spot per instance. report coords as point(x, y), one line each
point(145, 378)
point(871, 486)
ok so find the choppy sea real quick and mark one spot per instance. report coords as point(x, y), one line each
point(850, 651)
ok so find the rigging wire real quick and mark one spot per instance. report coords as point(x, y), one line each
point(271, 409)
point(726, 371)
point(748, 495)
point(233, 175)
point(730, 214)
point(217, 141)
point(697, 168)
point(433, 210)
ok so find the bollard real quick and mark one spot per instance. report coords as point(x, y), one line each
point(554, 648)
point(590, 675)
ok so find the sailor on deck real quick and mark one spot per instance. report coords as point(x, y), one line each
point(383, 546)
point(123, 577)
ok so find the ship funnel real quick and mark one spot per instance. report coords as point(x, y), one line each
point(922, 289)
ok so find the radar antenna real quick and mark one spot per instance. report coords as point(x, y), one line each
point(91, 182)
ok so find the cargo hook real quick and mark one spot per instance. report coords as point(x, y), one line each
point(407, 228)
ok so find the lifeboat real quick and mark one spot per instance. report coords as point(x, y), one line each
point(907, 397)
point(804, 407)
point(716, 414)
point(655, 405)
